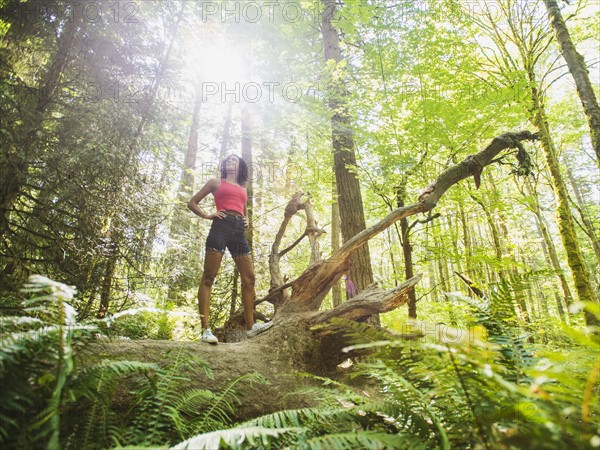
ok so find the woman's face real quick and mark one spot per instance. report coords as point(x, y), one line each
point(231, 164)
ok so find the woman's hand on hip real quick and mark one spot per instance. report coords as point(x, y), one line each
point(216, 215)
point(246, 222)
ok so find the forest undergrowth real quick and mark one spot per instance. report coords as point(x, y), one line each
point(488, 384)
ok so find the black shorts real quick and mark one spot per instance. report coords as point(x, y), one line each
point(228, 232)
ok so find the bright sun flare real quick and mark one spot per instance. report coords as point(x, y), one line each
point(217, 62)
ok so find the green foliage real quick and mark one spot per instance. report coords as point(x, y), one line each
point(163, 409)
point(36, 359)
point(90, 394)
point(497, 317)
point(39, 375)
point(143, 324)
point(251, 437)
point(48, 401)
point(441, 393)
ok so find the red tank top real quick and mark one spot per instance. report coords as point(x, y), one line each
point(230, 196)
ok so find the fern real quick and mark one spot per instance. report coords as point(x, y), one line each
point(460, 394)
point(362, 440)
point(221, 409)
point(238, 438)
point(292, 418)
point(34, 345)
point(163, 412)
point(497, 319)
point(90, 393)
point(315, 421)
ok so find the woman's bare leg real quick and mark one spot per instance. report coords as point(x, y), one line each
point(212, 262)
point(246, 269)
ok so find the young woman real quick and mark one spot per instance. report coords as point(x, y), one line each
point(227, 231)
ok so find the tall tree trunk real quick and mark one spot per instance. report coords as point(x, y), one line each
point(442, 268)
point(484, 242)
point(466, 234)
point(566, 223)
point(493, 229)
point(336, 290)
point(149, 241)
point(246, 125)
point(498, 249)
point(453, 232)
point(549, 248)
point(352, 220)
point(247, 156)
point(579, 71)
point(110, 263)
point(181, 222)
point(394, 274)
point(552, 259)
point(407, 251)
point(234, 293)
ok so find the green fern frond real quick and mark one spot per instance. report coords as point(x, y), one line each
point(363, 440)
point(86, 382)
point(222, 407)
point(331, 390)
point(17, 323)
point(318, 420)
point(289, 418)
point(497, 316)
point(237, 438)
point(91, 391)
point(193, 400)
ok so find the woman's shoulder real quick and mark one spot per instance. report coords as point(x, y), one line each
point(214, 183)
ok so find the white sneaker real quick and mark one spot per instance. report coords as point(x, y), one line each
point(258, 328)
point(208, 337)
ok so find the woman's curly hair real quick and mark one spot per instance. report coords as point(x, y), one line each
point(242, 177)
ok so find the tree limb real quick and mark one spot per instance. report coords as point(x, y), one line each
point(274, 293)
point(311, 287)
point(369, 301)
point(296, 242)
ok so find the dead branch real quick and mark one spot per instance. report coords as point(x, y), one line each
point(369, 301)
point(311, 287)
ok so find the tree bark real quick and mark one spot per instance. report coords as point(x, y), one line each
point(247, 156)
point(466, 234)
point(352, 219)
point(566, 223)
point(579, 71)
point(226, 133)
point(110, 263)
point(336, 290)
point(277, 279)
point(550, 250)
point(407, 252)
